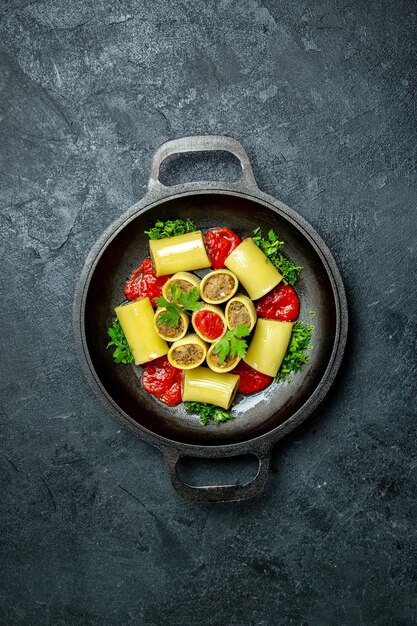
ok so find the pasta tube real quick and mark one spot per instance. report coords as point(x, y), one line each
point(188, 352)
point(203, 385)
point(180, 253)
point(214, 364)
point(136, 320)
point(209, 322)
point(240, 310)
point(184, 280)
point(167, 332)
point(268, 346)
point(218, 286)
point(253, 268)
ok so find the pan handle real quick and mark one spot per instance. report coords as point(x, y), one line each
point(218, 493)
point(202, 143)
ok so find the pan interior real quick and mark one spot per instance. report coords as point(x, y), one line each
point(256, 414)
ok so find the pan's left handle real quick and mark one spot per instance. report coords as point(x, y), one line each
point(203, 143)
point(218, 493)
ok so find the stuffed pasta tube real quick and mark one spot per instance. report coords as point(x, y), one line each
point(137, 321)
point(268, 346)
point(203, 385)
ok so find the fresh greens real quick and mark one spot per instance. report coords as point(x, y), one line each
point(170, 228)
point(208, 412)
point(296, 354)
point(122, 353)
point(181, 301)
point(271, 247)
point(232, 344)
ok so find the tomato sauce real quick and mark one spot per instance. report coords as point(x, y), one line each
point(209, 324)
point(251, 381)
point(163, 381)
point(281, 304)
point(220, 242)
point(143, 283)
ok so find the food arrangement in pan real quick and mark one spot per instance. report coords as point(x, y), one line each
point(209, 315)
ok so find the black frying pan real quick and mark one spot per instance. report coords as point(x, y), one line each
point(261, 419)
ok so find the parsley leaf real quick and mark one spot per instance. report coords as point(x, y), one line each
point(271, 248)
point(181, 301)
point(170, 228)
point(208, 412)
point(232, 344)
point(296, 354)
point(122, 353)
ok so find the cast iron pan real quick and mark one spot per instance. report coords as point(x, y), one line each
point(261, 419)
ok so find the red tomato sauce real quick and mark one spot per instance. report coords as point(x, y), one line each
point(281, 303)
point(251, 381)
point(143, 283)
point(220, 242)
point(209, 324)
point(163, 381)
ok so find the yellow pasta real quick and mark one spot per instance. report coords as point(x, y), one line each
point(185, 281)
point(253, 268)
point(188, 352)
point(203, 385)
point(136, 320)
point(171, 333)
point(268, 346)
point(240, 310)
point(213, 309)
point(179, 254)
point(214, 364)
point(218, 286)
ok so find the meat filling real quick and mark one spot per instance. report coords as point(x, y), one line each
point(187, 354)
point(214, 358)
point(238, 314)
point(218, 286)
point(170, 331)
point(184, 285)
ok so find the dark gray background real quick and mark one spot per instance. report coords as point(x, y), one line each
point(322, 95)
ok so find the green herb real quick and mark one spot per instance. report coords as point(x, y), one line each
point(296, 354)
point(208, 412)
point(170, 228)
point(181, 301)
point(232, 344)
point(271, 248)
point(122, 353)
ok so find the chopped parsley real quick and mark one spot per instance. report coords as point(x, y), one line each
point(170, 228)
point(181, 301)
point(208, 412)
point(122, 353)
point(232, 344)
point(271, 247)
point(297, 352)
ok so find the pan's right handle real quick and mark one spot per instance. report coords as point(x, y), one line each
point(218, 493)
point(203, 143)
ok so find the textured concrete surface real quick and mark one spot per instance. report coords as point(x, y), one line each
point(322, 95)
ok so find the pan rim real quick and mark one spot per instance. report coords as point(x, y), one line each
point(270, 437)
